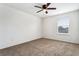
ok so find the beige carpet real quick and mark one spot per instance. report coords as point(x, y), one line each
point(42, 47)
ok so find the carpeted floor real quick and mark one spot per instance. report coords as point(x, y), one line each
point(42, 47)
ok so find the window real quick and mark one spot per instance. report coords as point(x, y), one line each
point(63, 25)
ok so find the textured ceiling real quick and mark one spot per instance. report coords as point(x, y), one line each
point(29, 8)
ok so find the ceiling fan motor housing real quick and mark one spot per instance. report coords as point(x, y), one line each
point(44, 6)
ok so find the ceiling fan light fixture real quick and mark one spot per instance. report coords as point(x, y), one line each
point(44, 10)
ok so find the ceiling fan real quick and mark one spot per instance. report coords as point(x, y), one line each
point(45, 8)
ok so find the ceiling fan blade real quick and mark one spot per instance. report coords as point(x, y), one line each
point(37, 6)
point(51, 8)
point(48, 4)
point(39, 11)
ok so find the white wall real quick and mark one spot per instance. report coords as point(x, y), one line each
point(50, 27)
point(17, 27)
